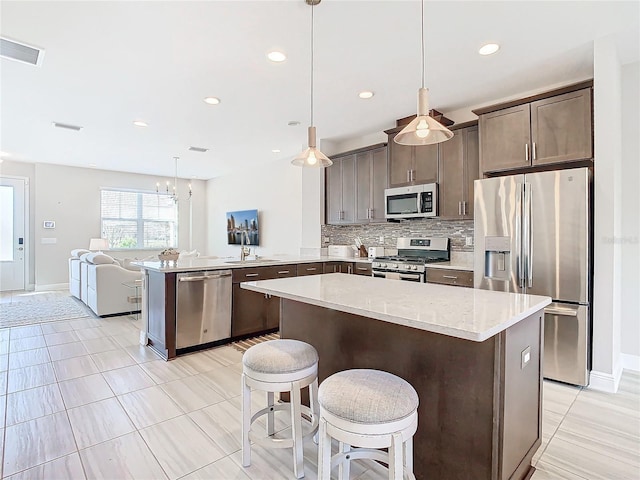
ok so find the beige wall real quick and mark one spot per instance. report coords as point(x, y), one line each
point(630, 241)
point(274, 189)
point(70, 196)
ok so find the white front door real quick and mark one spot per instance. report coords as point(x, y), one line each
point(12, 239)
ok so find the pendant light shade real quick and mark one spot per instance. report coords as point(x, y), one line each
point(312, 157)
point(424, 129)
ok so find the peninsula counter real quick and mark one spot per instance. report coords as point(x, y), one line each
point(473, 356)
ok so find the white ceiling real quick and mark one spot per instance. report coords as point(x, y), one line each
point(108, 63)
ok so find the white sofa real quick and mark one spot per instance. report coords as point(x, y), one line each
point(75, 277)
point(106, 292)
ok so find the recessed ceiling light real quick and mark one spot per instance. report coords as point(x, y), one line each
point(212, 100)
point(489, 49)
point(140, 123)
point(276, 150)
point(66, 126)
point(276, 56)
point(293, 123)
point(366, 94)
point(198, 149)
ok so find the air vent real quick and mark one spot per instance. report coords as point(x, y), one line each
point(198, 149)
point(67, 126)
point(20, 52)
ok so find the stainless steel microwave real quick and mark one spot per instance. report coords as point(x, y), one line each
point(414, 201)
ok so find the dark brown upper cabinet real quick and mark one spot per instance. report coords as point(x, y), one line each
point(550, 128)
point(354, 186)
point(459, 167)
point(409, 165)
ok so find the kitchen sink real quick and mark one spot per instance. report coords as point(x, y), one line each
point(252, 261)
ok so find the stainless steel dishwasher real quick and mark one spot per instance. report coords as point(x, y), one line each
point(203, 307)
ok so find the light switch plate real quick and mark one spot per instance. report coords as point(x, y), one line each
point(525, 357)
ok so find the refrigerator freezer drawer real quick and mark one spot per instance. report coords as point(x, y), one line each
point(566, 343)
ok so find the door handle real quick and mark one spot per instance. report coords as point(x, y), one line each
point(451, 277)
point(408, 175)
point(310, 269)
point(283, 272)
point(565, 312)
point(526, 152)
point(519, 252)
point(251, 274)
point(533, 149)
point(459, 208)
point(529, 236)
point(204, 277)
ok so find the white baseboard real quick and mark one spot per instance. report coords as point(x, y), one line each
point(606, 382)
point(630, 362)
point(53, 286)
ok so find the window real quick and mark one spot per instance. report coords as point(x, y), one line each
point(138, 220)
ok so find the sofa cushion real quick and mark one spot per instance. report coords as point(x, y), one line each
point(99, 259)
point(126, 263)
point(78, 252)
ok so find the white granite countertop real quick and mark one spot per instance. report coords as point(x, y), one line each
point(459, 261)
point(465, 313)
point(195, 264)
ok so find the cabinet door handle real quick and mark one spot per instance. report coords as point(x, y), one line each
point(349, 270)
point(311, 269)
point(459, 208)
point(408, 175)
point(451, 277)
point(534, 150)
point(526, 152)
point(464, 208)
point(283, 272)
point(251, 274)
point(363, 268)
point(413, 177)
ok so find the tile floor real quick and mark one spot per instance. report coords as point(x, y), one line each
point(81, 399)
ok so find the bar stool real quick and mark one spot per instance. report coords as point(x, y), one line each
point(280, 366)
point(369, 409)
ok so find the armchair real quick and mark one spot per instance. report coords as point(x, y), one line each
point(75, 279)
point(106, 294)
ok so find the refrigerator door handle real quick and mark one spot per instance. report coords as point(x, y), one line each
point(529, 239)
point(518, 232)
point(565, 312)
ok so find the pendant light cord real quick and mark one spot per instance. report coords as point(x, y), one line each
point(312, 6)
point(422, 43)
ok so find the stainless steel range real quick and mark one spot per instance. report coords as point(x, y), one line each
point(413, 256)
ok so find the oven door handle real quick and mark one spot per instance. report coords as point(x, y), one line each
point(410, 276)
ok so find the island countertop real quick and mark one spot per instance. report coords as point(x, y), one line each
point(465, 313)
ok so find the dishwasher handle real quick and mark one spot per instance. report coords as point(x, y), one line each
point(203, 277)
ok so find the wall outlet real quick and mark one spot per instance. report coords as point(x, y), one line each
point(327, 239)
point(469, 241)
point(381, 240)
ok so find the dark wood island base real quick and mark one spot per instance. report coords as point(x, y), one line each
point(480, 402)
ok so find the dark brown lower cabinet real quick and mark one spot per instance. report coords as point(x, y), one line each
point(480, 411)
point(362, 269)
point(338, 267)
point(254, 312)
point(460, 278)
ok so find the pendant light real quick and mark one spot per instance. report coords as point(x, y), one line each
point(312, 157)
point(424, 129)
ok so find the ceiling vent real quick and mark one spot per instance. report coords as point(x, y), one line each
point(20, 52)
point(198, 149)
point(67, 126)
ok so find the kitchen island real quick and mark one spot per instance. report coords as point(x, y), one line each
point(473, 356)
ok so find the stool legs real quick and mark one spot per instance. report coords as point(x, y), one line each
point(408, 457)
point(396, 463)
point(344, 468)
point(296, 430)
point(324, 451)
point(246, 422)
point(270, 415)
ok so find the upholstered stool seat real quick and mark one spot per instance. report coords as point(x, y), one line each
point(280, 366)
point(370, 409)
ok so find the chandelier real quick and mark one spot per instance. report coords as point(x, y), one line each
point(171, 191)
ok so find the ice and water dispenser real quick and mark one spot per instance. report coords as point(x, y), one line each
point(497, 258)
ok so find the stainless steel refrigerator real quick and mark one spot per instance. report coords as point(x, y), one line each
point(532, 235)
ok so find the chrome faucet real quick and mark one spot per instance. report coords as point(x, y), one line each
point(245, 251)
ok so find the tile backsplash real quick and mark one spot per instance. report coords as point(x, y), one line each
point(456, 230)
